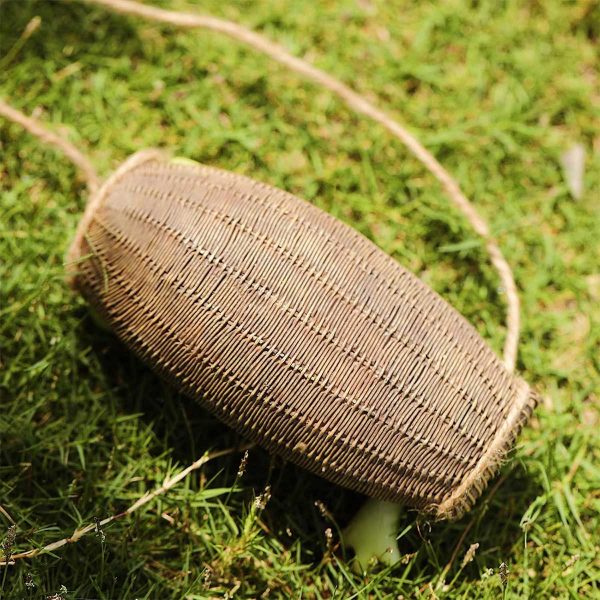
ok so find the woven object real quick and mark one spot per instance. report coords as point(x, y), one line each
point(298, 332)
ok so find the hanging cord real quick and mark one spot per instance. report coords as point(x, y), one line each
point(355, 101)
point(52, 139)
point(360, 105)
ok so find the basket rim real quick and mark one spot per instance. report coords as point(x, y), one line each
point(73, 254)
point(470, 489)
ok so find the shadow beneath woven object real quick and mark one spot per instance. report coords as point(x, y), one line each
point(60, 32)
point(303, 505)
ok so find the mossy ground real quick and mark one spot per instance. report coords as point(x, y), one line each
point(497, 90)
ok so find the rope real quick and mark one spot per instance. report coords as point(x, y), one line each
point(52, 139)
point(355, 101)
point(362, 106)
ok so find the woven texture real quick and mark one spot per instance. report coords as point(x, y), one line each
point(300, 333)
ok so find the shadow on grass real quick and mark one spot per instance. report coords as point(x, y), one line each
point(61, 30)
point(188, 430)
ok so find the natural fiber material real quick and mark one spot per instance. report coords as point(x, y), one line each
point(52, 139)
point(299, 333)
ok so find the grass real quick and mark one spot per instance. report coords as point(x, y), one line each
point(497, 90)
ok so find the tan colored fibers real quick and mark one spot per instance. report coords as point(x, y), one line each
point(299, 333)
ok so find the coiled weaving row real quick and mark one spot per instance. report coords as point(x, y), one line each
point(299, 333)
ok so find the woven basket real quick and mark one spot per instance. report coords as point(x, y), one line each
point(298, 332)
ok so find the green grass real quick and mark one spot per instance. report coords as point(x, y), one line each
point(497, 90)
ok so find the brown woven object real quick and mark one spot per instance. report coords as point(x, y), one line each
point(298, 332)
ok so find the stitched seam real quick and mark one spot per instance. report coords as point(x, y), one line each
point(337, 244)
point(314, 378)
point(258, 394)
point(329, 285)
point(303, 318)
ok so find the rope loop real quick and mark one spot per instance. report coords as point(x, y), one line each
point(357, 102)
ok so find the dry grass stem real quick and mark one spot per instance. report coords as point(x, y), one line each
point(96, 527)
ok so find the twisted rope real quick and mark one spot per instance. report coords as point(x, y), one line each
point(360, 105)
point(52, 139)
point(352, 99)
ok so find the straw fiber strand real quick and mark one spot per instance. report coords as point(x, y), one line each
point(299, 333)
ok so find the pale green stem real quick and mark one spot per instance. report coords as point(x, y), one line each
point(372, 533)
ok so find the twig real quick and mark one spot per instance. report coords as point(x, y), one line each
point(30, 29)
point(457, 548)
point(5, 513)
point(147, 497)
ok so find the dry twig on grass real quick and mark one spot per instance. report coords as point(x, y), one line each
point(168, 483)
